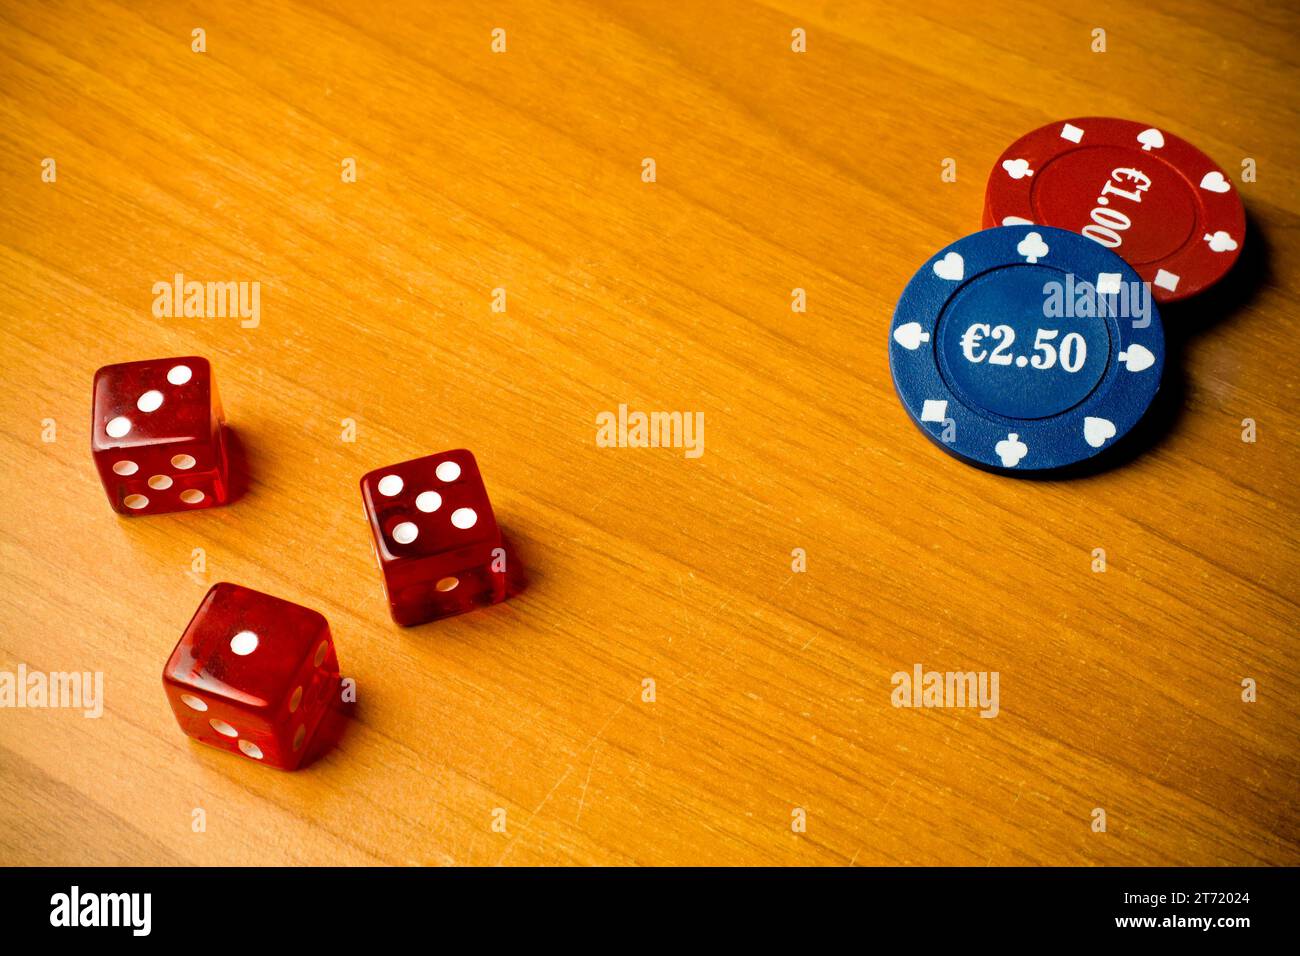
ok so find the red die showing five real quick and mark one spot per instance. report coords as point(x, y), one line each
point(157, 436)
point(253, 674)
point(436, 539)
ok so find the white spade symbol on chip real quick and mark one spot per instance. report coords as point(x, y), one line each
point(1220, 241)
point(1097, 430)
point(910, 335)
point(951, 267)
point(1017, 168)
point(1032, 247)
point(1137, 358)
point(1215, 182)
point(1151, 139)
point(1011, 449)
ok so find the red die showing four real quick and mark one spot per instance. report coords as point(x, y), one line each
point(253, 674)
point(436, 539)
point(157, 436)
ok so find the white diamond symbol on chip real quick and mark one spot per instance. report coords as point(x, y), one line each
point(1109, 283)
point(1072, 133)
point(934, 410)
point(1166, 280)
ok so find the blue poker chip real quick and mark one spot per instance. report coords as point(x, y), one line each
point(1026, 348)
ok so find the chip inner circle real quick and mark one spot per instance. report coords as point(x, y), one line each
point(1087, 190)
point(1001, 352)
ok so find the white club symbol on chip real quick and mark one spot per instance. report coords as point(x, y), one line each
point(1032, 247)
point(1017, 168)
point(910, 335)
point(1011, 449)
point(934, 410)
point(1220, 241)
point(951, 267)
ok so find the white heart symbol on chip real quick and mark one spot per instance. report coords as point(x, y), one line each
point(910, 335)
point(1215, 182)
point(1097, 430)
point(1017, 168)
point(951, 267)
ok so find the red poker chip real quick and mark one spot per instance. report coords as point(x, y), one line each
point(1144, 193)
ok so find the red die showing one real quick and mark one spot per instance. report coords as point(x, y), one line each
point(436, 539)
point(253, 674)
point(157, 436)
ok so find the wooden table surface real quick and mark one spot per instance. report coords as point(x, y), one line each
point(522, 170)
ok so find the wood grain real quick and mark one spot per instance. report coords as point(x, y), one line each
point(522, 170)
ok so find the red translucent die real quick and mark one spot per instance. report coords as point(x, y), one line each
point(157, 438)
point(253, 674)
point(436, 538)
